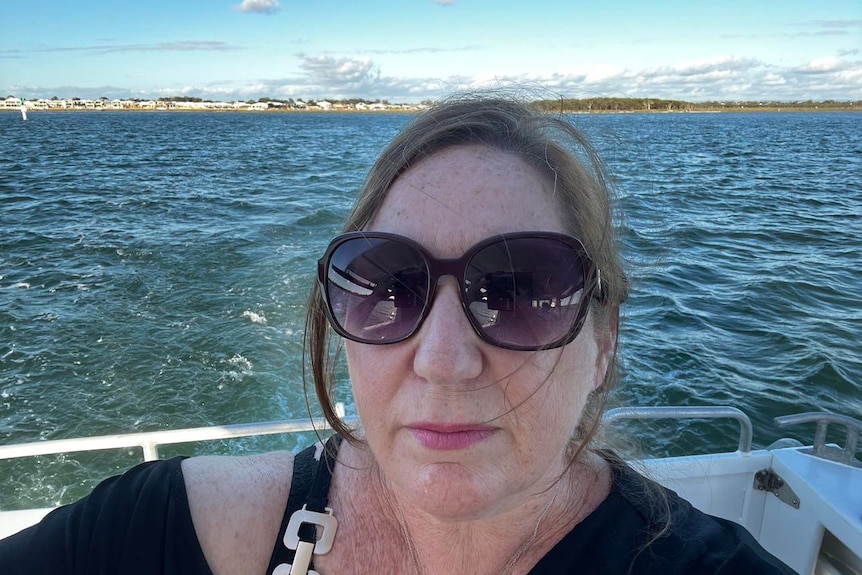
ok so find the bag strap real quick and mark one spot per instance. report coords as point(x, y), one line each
point(306, 505)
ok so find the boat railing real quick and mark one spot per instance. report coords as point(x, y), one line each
point(746, 431)
point(150, 441)
point(846, 454)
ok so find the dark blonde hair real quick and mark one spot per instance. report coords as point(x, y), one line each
point(548, 143)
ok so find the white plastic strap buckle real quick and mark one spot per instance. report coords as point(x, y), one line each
point(305, 549)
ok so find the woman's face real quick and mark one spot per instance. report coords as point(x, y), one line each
point(460, 428)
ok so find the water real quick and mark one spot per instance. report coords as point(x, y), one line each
point(154, 269)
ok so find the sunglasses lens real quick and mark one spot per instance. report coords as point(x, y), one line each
point(377, 288)
point(525, 293)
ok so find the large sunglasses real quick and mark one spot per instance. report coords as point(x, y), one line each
point(522, 291)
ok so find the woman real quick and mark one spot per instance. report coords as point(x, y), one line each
point(477, 289)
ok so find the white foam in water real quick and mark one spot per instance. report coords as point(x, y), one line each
point(244, 368)
point(240, 362)
point(258, 318)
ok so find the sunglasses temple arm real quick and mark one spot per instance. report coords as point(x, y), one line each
point(599, 288)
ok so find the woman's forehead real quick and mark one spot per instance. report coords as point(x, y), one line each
point(460, 195)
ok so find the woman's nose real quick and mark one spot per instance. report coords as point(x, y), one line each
point(447, 348)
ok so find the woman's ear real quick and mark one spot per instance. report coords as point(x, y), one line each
point(606, 342)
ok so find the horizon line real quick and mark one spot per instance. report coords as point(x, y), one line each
point(429, 100)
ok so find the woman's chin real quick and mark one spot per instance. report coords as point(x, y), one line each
point(451, 491)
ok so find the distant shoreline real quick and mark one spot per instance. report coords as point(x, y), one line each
point(741, 110)
point(595, 105)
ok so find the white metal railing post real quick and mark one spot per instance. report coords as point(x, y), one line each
point(151, 450)
point(746, 431)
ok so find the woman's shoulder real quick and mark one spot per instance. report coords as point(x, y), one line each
point(113, 529)
point(642, 528)
point(209, 474)
point(236, 505)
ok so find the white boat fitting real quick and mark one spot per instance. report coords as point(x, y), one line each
point(802, 503)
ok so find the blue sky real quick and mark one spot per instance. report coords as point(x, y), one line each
point(411, 50)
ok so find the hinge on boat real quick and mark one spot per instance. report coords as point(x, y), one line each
point(768, 480)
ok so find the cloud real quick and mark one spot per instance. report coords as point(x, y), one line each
point(724, 78)
point(323, 76)
point(829, 27)
point(258, 6)
point(811, 29)
point(720, 78)
point(340, 72)
point(717, 64)
point(177, 46)
point(837, 23)
point(820, 66)
point(427, 50)
point(445, 2)
point(181, 46)
point(361, 77)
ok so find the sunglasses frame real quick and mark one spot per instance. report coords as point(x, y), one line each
point(457, 267)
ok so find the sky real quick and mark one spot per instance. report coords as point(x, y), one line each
point(415, 50)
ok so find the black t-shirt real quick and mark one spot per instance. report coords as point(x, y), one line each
point(614, 537)
point(140, 523)
point(135, 523)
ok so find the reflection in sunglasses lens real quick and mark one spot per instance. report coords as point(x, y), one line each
point(525, 292)
point(385, 295)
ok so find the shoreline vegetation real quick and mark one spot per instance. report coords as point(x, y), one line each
point(563, 105)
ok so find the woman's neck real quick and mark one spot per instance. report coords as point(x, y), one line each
point(376, 521)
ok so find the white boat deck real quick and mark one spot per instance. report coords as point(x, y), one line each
point(801, 506)
point(825, 531)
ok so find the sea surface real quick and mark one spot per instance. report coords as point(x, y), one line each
point(154, 270)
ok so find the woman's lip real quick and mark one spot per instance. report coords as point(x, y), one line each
point(450, 436)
